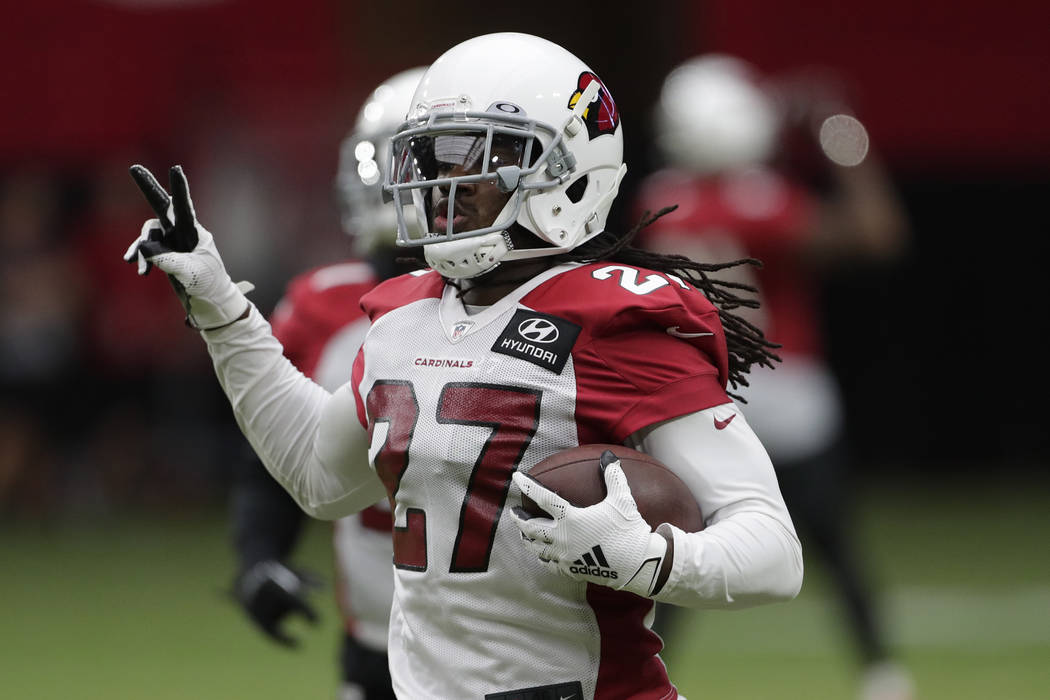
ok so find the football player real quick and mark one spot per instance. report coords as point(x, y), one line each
point(533, 330)
point(320, 323)
point(722, 129)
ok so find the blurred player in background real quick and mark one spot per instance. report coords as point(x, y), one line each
point(321, 326)
point(782, 173)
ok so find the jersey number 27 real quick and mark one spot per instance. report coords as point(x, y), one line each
point(511, 413)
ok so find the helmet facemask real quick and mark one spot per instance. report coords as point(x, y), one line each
point(438, 158)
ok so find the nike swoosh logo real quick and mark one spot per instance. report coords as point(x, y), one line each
point(721, 424)
point(673, 330)
point(567, 697)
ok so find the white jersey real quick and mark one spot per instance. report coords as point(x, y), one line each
point(455, 404)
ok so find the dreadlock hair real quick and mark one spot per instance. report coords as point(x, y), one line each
point(745, 342)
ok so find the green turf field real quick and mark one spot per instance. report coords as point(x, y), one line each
point(134, 608)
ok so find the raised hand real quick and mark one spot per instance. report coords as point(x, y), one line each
point(177, 244)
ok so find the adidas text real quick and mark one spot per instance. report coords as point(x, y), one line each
point(593, 571)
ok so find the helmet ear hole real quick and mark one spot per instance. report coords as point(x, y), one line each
point(534, 155)
point(576, 190)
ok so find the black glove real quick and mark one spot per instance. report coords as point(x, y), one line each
point(269, 592)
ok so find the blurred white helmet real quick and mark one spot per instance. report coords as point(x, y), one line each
point(363, 156)
point(713, 115)
point(521, 113)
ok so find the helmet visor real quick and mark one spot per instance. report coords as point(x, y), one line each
point(465, 173)
point(462, 181)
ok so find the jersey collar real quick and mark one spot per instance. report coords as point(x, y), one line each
point(458, 324)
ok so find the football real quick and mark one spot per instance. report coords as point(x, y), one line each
point(575, 475)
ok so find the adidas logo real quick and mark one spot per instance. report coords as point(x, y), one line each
point(596, 565)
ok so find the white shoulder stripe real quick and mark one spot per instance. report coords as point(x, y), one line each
point(343, 273)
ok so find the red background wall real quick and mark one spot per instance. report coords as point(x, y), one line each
point(942, 83)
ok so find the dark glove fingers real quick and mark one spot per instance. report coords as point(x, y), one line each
point(270, 592)
point(151, 248)
point(294, 597)
point(310, 580)
point(184, 235)
point(280, 636)
point(156, 196)
point(155, 245)
point(277, 609)
point(137, 255)
point(305, 609)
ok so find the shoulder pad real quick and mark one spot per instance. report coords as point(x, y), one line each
point(610, 299)
point(602, 293)
point(398, 291)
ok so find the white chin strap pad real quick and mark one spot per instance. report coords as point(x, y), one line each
point(467, 257)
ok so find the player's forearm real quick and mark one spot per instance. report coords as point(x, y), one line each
point(748, 552)
point(748, 559)
point(291, 422)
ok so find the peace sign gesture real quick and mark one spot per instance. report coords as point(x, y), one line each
point(177, 244)
point(175, 212)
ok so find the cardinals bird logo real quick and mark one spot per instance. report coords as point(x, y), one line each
point(601, 116)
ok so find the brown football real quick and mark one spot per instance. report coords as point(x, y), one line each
point(575, 475)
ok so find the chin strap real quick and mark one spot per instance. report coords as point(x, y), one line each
point(468, 257)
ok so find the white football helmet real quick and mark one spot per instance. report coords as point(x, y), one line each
point(521, 113)
point(713, 115)
point(364, 155)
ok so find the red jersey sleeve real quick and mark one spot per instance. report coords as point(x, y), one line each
point(651, 348)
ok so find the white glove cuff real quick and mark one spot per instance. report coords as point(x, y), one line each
point(646, 577)
point(222, 309)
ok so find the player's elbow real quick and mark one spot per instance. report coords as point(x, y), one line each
point(319, 511)
point(333, 510)
point(789, 583)
point(779, 578)
point(330, 503)
point(780, 583)
point(311, 501)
